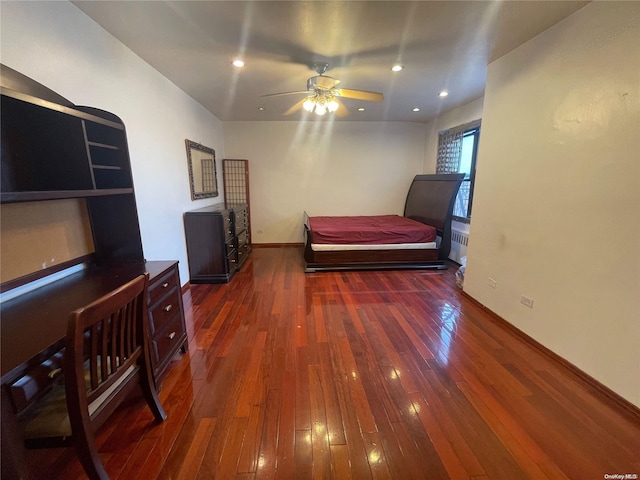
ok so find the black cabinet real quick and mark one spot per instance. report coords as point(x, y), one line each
point(52, 150)
point(217, 242)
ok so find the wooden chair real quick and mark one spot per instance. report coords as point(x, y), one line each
point(106, 356)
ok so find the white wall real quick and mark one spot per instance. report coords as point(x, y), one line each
point(348, 168)
point(59, 46)
point(557, 200)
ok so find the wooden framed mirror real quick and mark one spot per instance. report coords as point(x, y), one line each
point(202, 170)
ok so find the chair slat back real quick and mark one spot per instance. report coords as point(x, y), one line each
point(107, 341)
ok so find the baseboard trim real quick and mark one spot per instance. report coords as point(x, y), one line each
point(615, 400)
point(185, 287)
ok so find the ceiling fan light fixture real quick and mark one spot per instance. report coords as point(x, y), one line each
point(309, 104)
point(237, 63)
point(320, 103)
point(397, 68)
point(415, 109)
point(443, 94)
point(332, 105)
point(323, 95)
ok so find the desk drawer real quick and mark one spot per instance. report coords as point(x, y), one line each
point(241, 220)
point(162, 286)
point(230, 246)
point(36, 382)
point(228, 226)
point(232, 261)
point(163, 311)
point(167, 340)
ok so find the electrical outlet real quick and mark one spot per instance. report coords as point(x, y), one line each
point(491, 282)
point(526, 301)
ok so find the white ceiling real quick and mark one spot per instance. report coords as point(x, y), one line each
point(443, 45)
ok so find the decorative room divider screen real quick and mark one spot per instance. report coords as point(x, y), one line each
point(236, 181)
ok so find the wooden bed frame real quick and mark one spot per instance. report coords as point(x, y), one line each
point(430, 201)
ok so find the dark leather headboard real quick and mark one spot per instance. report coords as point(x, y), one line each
point(430, 200)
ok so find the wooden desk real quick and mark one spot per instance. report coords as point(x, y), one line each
point(34, 327)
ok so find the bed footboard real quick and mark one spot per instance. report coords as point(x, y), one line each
point(369, 259)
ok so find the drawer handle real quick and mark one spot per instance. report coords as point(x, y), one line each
point(233, 260)
point(165, 284)
point(54, 373)
point(167, 308)
point(171, 335)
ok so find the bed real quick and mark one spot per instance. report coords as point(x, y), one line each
point(421, 238)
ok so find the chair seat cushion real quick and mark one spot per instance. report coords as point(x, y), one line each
point(49, 418)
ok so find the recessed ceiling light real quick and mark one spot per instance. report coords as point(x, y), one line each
point(443, 94)
point(261, 109)
point(416, 109)
point(238, 63)
point(397, 68)
point(361, 109)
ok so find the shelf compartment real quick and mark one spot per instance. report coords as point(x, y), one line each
point(42, 149)
point(111, 177)
point(107, 157)
point(105, 136)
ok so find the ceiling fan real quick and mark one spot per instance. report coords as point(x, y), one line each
point(323, 94)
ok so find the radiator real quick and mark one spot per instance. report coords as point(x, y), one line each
point(459, 242)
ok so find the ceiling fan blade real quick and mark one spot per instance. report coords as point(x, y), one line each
point(299, 92)
point(296, 106)
point(360, 94)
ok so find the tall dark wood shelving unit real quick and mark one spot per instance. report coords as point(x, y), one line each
point(54, 150)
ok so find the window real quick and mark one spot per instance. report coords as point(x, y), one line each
point(457, 153)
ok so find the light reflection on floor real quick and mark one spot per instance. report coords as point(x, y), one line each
point(448, 330)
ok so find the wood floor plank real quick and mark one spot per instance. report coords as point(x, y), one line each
point(319, 432)
point(303, 457)
point(340, 465)
point(248, 393)
point(267, 457)
point(378, 462)
point(286, 427)
point(335, 427)
point(193, 458)
point(303, 406)
point(228, 464)
point(248, 460)
point(367, 375)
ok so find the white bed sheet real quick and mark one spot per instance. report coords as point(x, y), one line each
point(321, 247)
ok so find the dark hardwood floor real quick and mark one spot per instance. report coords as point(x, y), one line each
point(362, 375)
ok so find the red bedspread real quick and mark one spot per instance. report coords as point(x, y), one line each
point(369, 230)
